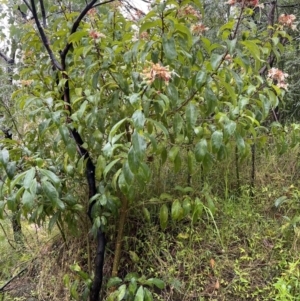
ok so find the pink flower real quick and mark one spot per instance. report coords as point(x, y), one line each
point(278, 76)
point(287, 20)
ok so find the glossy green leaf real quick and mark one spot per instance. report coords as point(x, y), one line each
point(10, 169)
point(216, 60)
point(157, 282)
point(139, 294)
point(30, 174)
point(4, 157)
point(201, 150)
point(139, 144)
point(177, 163)
point(76, 36)
point(177, 123)
point(148, 295)
point(163, 216)
point(50, 191)
point(50, 175)
point(109, 167)
point(200, 79)
point(128, 175)
point(100, 167)
point(138, 118)
point(197, 211)
point(121, 292)
point(169, 48)
point(217, 140)
point(176, 211)
point(173, 153)
point(191, 118)
point(114, 281)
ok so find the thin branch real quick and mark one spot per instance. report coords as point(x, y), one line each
point(6, 58)
point(74, 28)
point(10, 280)
point(5, 234)
point(105, 2)
point(27, 4)
point(43, 13)
point(44, 38)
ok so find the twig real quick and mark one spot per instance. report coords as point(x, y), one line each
point(7, 236)
point(11, 279)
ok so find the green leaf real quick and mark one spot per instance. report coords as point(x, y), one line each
point(139, 294)
point(115, 128)
point(146, 214)
point(121, 292)
point(200, 150)
point(160, 126)
point(216, 60)
point(169, 48)
point(191, 118)
point(163, 216)
point(76, 36)
point(231, 44)
point(210, 204)
point(198, 209)
point(10, 169)
point(177, 163)
point(148, 295)
point(280, 201)
point(191, 159)
point(173, 153)
point(100, 167)
point(132, 287)
point(128, 175)
point(139, 119)
point(200, 79)
point(139, 144)
point(51, 176)
point(217, 140)
point(95, 80)
point(30, 174)
point(28, 200)
point(186, 206)
point(109, 167)
point(230, 128)
point(50, 191)
point(114, 281)
point(177, 123)
point(157, 282)
point(211, 101)
point(4, 157)
point(172, 94)
point(163, 155)
point(148, 25)
point(186, 32)
point(176, 211)
point(133, 161)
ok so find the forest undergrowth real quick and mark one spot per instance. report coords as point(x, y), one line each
point(245, 246)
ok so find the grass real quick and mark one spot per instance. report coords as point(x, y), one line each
point(247, 249)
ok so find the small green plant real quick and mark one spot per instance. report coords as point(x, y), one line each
point(133, 288)
point(288, 284)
